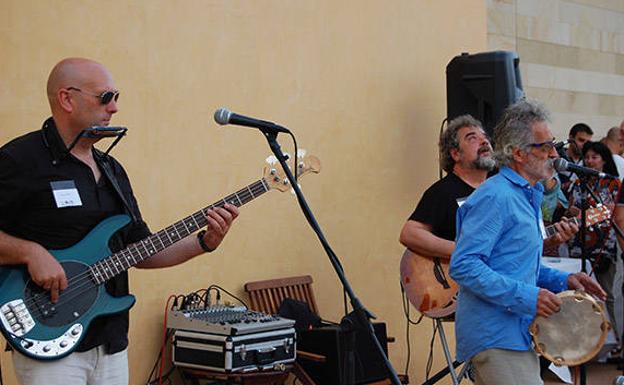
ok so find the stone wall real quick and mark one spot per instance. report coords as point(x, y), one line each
point(571, 55)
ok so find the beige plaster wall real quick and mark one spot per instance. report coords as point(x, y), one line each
point(571, 54)
point(361, 84)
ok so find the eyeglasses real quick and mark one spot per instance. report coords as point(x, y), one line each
point(105, 97)
point(548, 145)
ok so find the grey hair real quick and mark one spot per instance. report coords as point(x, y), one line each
point(515, 128)
point(449, 139)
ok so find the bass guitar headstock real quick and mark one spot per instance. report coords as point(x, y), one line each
point(275, 177)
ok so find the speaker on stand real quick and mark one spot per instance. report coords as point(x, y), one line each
point(483, 85)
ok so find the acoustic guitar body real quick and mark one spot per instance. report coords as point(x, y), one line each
point(427, 284)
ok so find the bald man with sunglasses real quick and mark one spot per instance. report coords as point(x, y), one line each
point(52, 195)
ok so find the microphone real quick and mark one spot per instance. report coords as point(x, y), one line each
point(224, 116)
point(559, 145)
point(561, 164)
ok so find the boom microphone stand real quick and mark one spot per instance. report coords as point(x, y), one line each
point(361, 315)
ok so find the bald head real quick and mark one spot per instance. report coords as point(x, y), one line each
point(75, 91)
point(614, 140)
point(73, 72)
point(614, 134)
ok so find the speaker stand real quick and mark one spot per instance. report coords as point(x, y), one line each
point(450, 364)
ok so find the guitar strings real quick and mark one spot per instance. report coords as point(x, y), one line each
point(107, 265)
point(75, 284)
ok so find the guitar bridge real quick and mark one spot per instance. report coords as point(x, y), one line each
point(16, 318)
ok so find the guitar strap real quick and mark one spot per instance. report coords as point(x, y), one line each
point(106, 167)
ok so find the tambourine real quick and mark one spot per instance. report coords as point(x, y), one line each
point(575, 334)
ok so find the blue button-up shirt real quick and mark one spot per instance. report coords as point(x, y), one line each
point(497, 265)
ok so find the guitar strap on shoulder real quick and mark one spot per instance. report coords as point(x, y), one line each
point(105, 165)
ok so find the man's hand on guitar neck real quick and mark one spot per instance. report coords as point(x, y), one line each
point(219, 221)
point(46, 271)
point(565, 231)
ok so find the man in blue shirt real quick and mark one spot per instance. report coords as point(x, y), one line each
point(496, 262)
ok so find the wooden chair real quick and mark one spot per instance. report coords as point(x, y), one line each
point(267, 296)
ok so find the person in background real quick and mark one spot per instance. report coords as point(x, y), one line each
point(579, 134)
point(615, 142)
point(554, 205)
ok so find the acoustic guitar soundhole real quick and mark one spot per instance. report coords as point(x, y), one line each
point(73, 302)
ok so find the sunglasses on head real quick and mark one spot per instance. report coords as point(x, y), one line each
point(105, 97)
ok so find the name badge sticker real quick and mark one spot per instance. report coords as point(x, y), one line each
point(65, 193)
point(543, 229)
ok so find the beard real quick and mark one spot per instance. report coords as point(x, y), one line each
point(540, 170)
point(484, 162)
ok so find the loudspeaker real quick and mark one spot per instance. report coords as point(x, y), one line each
point(329, 341)
point(483, 85)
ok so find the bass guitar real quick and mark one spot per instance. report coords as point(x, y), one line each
point(43, 330)
point(431, 290)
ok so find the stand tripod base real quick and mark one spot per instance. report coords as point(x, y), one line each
point(451, 365)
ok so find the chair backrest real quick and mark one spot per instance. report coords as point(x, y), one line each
point(266, 296)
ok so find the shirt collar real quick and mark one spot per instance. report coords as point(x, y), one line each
point(518, 180)
point(53, 141)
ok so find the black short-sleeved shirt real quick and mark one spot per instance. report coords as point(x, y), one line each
point(439, 204)
point(31, 168)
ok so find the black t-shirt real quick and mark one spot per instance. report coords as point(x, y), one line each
point(34, 168)
point(439, 204)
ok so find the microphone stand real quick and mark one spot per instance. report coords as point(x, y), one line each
point(362, 315)
point(586, 191)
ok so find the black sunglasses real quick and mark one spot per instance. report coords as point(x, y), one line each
point(105, 97)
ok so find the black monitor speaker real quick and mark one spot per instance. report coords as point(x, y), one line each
point(330, 342)
point(483, 85)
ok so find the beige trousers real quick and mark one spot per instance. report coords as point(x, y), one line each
point(506, 367)
point(93, 367)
